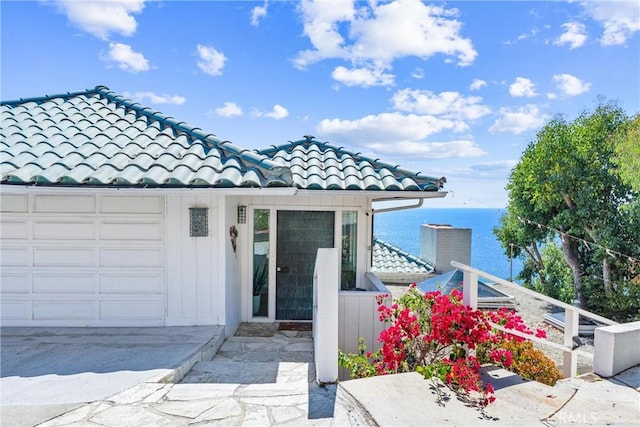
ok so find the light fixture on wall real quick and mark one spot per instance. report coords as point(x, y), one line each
point(198, 222)
point(242, 214)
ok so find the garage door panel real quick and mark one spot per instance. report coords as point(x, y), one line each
point(15, 309)
point(131, 230)
point(64, 283)
point(123, 283)
point(14, 229)
point(14, 256)
point(64, 204)
point(131, 257)
point(63, 310)
point(64, 230)
point(131, 310)
point(133, 205)
point(14, 203)
point(16, 283)
point(62, 256)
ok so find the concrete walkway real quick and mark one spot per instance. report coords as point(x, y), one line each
point(265, 377)
point(252, 380)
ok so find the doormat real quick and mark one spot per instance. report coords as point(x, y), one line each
point(295, 326)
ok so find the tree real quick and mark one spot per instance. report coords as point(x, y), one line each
point(564, 187)
point(627, 153)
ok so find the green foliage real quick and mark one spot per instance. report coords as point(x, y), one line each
point(566, 187)
point(554, 279)
point(627, 153)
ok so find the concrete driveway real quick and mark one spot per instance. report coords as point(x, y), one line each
point(47, 371)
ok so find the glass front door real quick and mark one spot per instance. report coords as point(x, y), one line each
point(299, 235)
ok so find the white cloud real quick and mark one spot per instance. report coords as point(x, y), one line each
point(258, 13)
point(477, 84)
point(518, 120)
point(278, 113)
point(417, 74)
point(619, 19)
point(361, 77)
point(376, 34)
point(449, 105)
point(570, 85)
point(387, 127)
point(430, 150)
point(229, 109)
point(126, 58)
point(522, 87)
point(101, 18)
point(211, 61)
point(534, 31)
point(156, 99)
point(575, 35)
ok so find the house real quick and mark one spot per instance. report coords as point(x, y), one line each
point(114, 214)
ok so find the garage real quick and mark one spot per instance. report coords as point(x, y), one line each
point(83, 260)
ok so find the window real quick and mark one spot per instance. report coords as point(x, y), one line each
point(261, 262)
point(349, 249)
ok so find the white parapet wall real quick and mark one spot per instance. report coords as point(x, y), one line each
point(326, 282)
point(616, 348)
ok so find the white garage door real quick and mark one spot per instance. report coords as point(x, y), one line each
point(82, 260)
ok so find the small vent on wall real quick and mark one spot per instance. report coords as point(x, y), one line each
point(199, 222)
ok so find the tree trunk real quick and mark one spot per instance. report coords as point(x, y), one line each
point(606, 276)
point(570, 251)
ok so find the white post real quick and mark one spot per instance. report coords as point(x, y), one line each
point(570, 358)
point(470, 289)
point(326, 284)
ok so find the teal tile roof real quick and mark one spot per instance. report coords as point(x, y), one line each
point(391, 259)
point(318, 165)
point(98, 138)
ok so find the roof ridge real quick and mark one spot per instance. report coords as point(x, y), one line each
point(401, 252)
point(341, 150)
point(41, 99)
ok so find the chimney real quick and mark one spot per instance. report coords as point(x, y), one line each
point(441, 243)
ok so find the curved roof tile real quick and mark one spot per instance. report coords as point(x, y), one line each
point(97, 137)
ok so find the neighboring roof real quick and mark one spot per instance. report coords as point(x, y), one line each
point(488, 295)
point(320, 166)
point(391, 259)
point(99, 138)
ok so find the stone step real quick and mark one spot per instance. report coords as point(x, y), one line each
point(225, 371)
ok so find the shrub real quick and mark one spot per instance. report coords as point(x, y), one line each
point(442, 339)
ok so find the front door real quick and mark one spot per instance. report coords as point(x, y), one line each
point(299, 235)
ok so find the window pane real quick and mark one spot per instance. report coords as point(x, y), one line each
point(261, 262)
point(349, 247)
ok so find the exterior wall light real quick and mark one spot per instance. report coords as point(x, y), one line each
point(198, 222)
point(242, 214)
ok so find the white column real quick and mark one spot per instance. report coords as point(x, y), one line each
point(326, 283)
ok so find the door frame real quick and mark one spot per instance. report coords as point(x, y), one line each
point(362, 254)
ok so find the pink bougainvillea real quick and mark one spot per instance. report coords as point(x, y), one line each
point(436, 335)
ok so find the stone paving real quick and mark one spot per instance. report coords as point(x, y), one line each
point(261, 377)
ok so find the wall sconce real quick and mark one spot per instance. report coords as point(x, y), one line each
point(198, 222)
point(242, 214)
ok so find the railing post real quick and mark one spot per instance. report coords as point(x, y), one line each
point(570, 357)
point(470, 289)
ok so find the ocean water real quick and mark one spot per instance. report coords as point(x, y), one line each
point(402, 229)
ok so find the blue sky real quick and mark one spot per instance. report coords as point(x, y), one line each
point(455, 89)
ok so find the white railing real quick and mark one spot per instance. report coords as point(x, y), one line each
point(571, 316)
